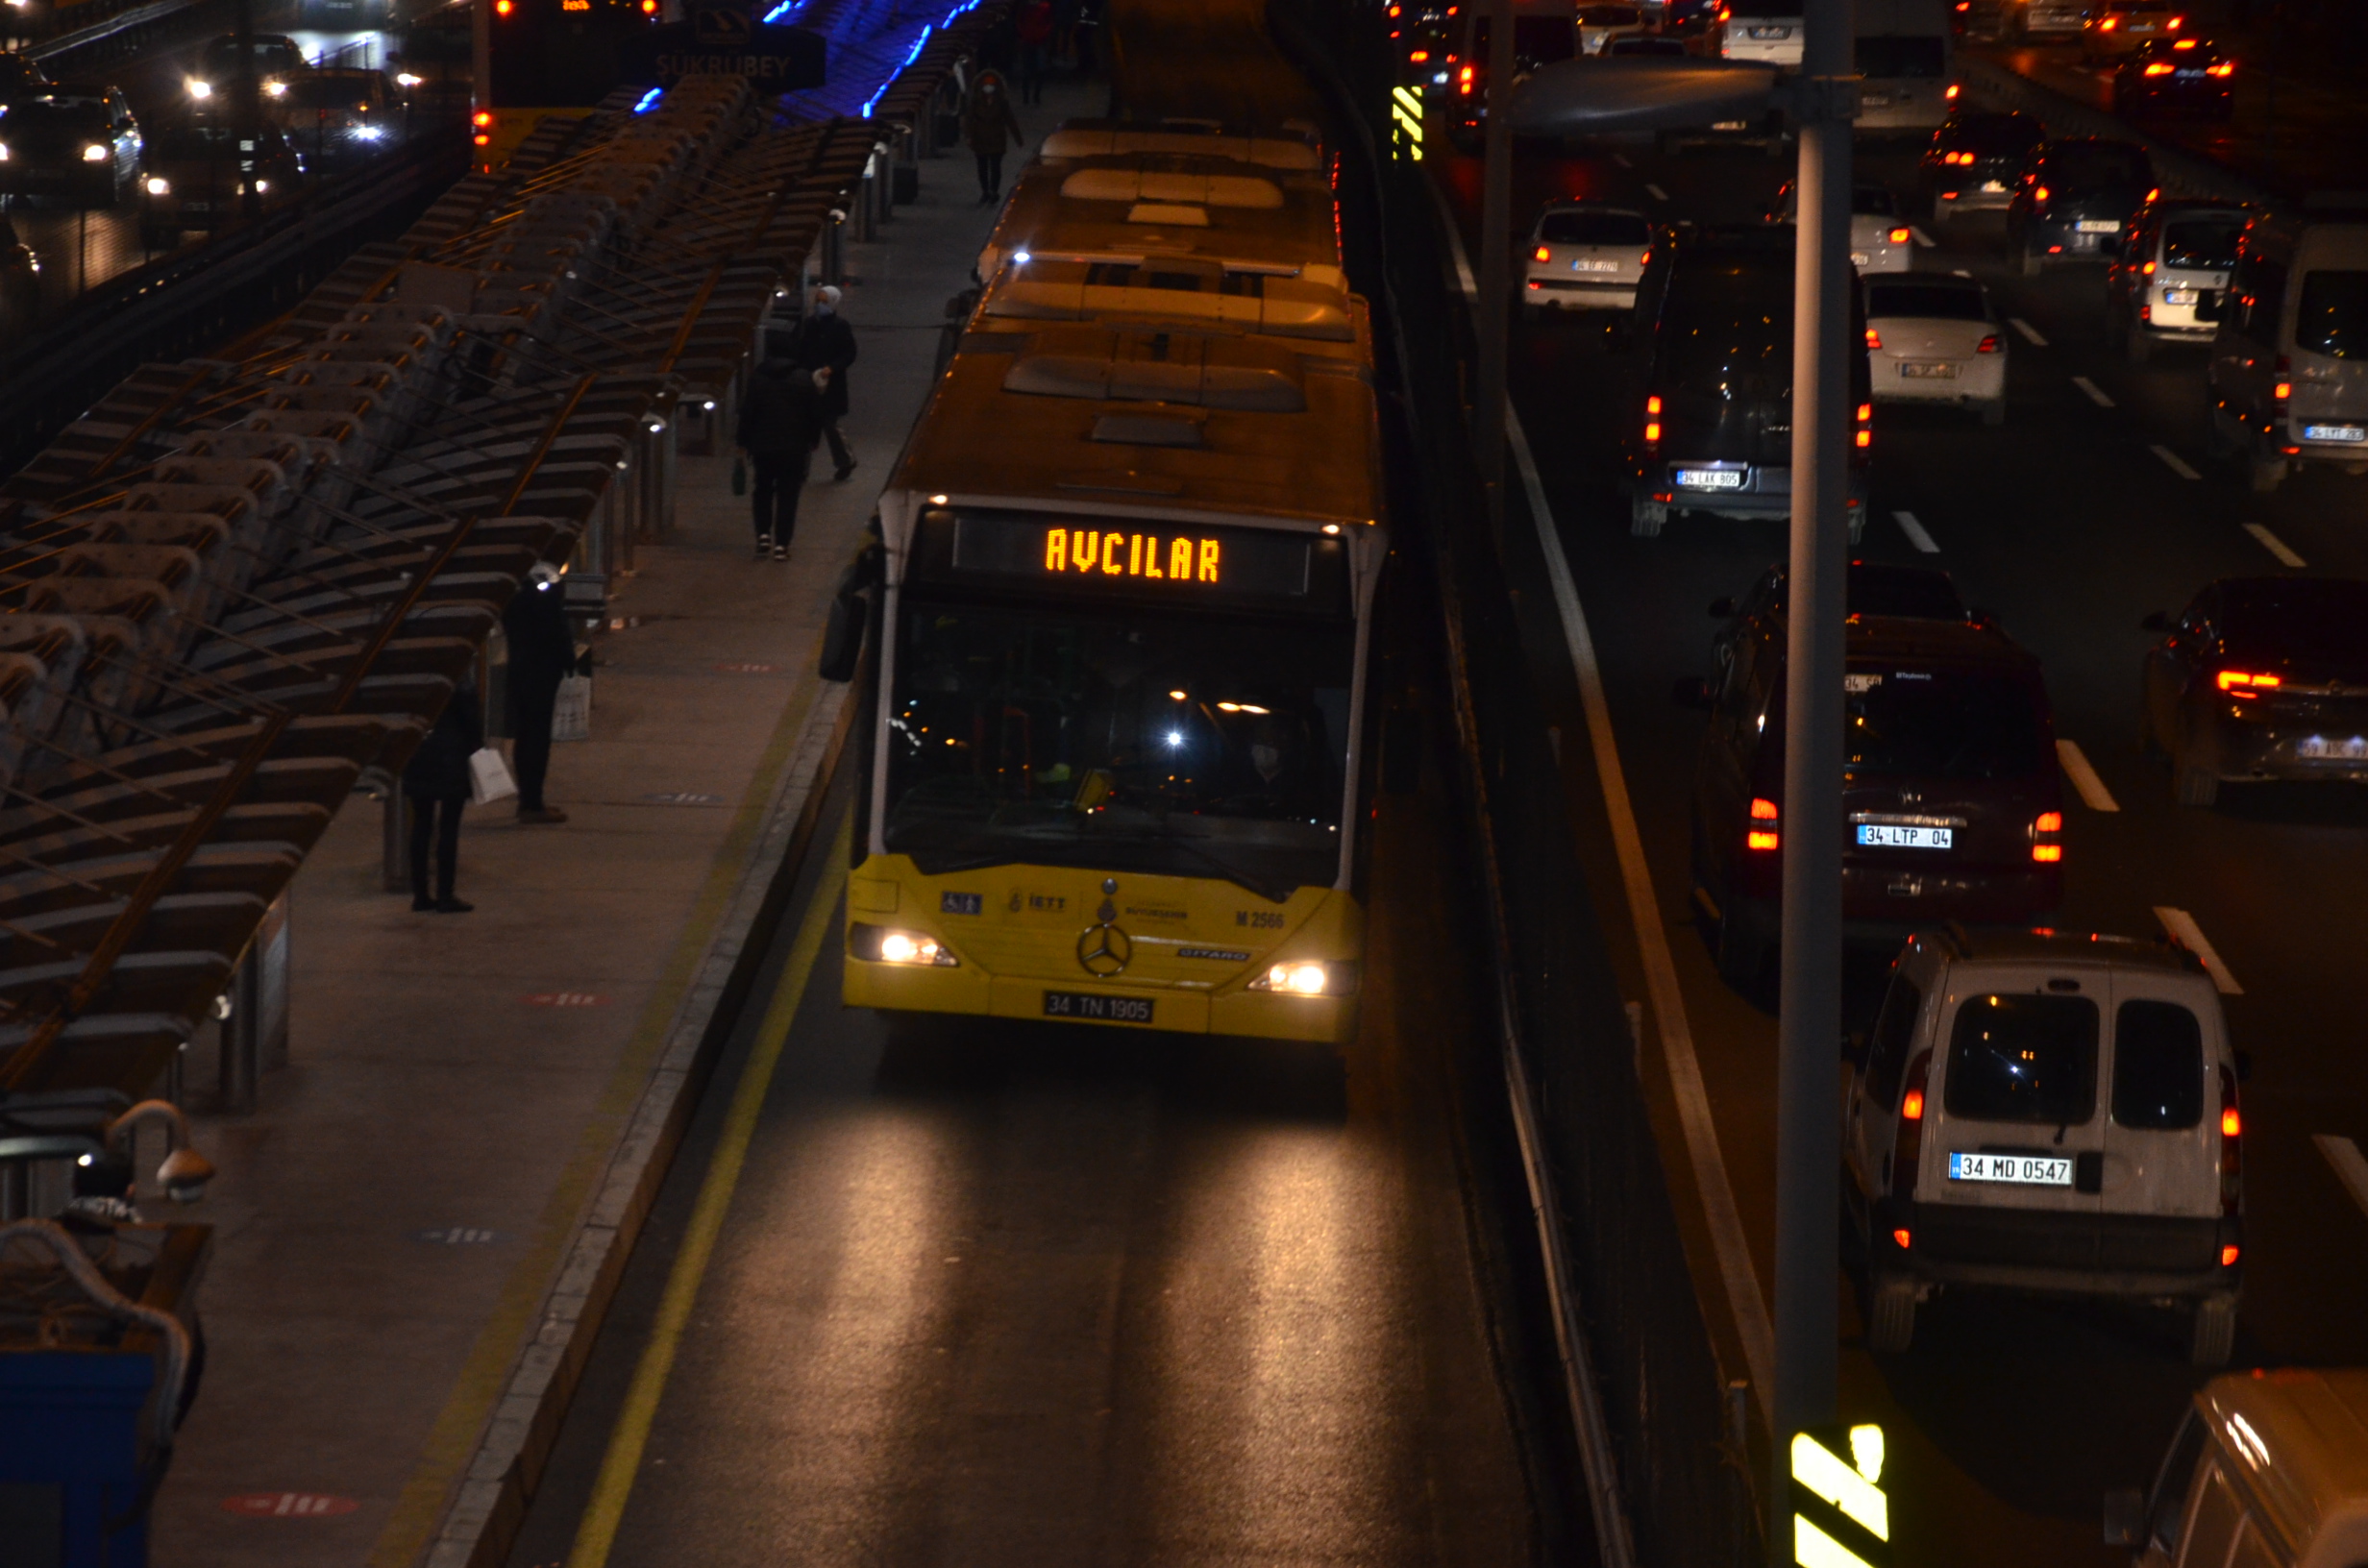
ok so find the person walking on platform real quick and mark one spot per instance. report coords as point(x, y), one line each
point(435, 784)
point(780, 424)
point(991, 128)
point(1034, 23)
point(825, 341)
point(542, 650)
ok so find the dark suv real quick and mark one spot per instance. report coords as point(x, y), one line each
point(1974, 161)
point(2074, 198)
point(1715, 431)
point(1950, 783)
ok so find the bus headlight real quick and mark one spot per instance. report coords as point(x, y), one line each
point(883, 944)
point(97, 152)
point(199, 88)
point(276, 89)
point(159, 186)
point(1307, 977)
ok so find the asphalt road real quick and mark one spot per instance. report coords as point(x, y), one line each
point(2010, 1418)
point(1011, 1294)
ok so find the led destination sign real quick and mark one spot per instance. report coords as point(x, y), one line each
point(1096, 556)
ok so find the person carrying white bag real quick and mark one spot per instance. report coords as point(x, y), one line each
point(441, 779)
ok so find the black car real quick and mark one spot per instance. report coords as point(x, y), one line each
point(2261, 679)
point(2176, 76)
point(2074, 197)
point(1950, 782)
point(82, 149)
point(1975, 160)
point(1715, 434)
point(21, 78)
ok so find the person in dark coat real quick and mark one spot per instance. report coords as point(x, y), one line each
point(542, 651)
point(990, 128)
point(825, 341)
point(780, 424)
point(435, 782)
point(1032, 23)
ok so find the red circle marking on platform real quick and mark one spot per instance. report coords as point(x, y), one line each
point(565, 999)
point(749, 669)
point(288, 1505)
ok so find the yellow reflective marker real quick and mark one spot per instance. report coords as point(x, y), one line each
point(1406, 110)
point(1824, 1473)
point(1813, 1548)
point(1841, 1518)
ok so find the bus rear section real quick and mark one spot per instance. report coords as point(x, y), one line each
point(1116, 761)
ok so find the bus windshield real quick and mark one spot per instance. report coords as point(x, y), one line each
point(1184, 745)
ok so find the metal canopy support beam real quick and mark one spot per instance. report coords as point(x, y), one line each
point(1495, 261)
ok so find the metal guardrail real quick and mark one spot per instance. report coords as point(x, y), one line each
point(52, 49)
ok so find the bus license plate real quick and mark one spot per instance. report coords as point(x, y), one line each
point(2021, 1169)
point(1943, 370)
point(1074, 1004)
point(1899, 836)
point(1710, 478)
point(2335, 432)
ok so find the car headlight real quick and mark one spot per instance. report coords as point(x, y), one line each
point(277, 90)
point(368, 132)
point(882, 944)
point(97, 153)
point(1307, 977)
point(4, 152)
point(199, 88)
point(405, 79)
point(159, 186)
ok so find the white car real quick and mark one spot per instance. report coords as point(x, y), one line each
point(1587, 257)
point(1599, 25)
point(1881, 239)
point(1933, 337)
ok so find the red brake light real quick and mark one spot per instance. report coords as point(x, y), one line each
point(2232, 1147)
point(2039, 195)
point(1903, 1239)
point(2231, 1123)
point(483, 119)
point(1542, 254)
point(1652, 405)
point(2155, 193)
point(2231, 680)
point(1763, 810)
point(1907, 1141)
point(2173, 25)
point(503, 7)
point(1763, 839)
point(1874, 339)
point(1954, 90)
point(1419, 55)
point(1911, 1107)
point(2226, 68)
point(1866, 411)
point(2284, 386)
point(1988, 345)
point(2049, 821)
point(2184, 43)
point(2230, 1253)
point(2149, 269)
point(2109, 24)
point(1899, 237)
point(1652, 419)
point(2160, 67)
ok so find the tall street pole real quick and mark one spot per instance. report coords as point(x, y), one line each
point(1809, 1024)
point(1495, 261)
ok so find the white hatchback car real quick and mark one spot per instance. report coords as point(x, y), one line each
point(1599, 25)
point(1880, 237)
point(1933, 337)
point(2052, 1114)
point(1587, 257)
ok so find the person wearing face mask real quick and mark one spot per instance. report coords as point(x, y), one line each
point(991, 129)
point(781, 425)
point(542, 650)
point(825, 341)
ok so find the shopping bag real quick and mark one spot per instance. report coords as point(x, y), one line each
point(739, 477)
point(489, 777)
point(571, 715)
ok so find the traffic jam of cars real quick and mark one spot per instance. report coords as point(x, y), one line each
point(2033, 1110)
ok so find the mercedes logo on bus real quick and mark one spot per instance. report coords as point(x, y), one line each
point(1103, 949)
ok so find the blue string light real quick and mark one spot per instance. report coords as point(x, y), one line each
point(649, 101)
point(914, 53)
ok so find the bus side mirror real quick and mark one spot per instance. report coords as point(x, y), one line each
point(1402, 751)
point(2125, 1516)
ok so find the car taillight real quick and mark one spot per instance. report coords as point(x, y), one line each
point(1988, 345)
point(1763, 839)
point(2283, 387)
point(1419, 55)
point(2160, 67)
point(1866, 419)
point(1874, 339)
point(2109, 24)
point(2154, 194)
point(2174, 24)
point(2245, 684)
point(2148, 269)
point(1899, 237)
point(1645, 260)
point(1652, 418)
point(2039, 196)
point(2226, 68)
point(2231, 1146)
point(1954, 88)
point(2047, 837)
point(1542, 254)
point(1908, 1143)
point(2146, 314)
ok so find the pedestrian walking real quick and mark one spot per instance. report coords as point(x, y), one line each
point(990, 128)
point(436, 783)
point(542, 651)
point(780, 424)
point(825, 341)
point(1034, 24)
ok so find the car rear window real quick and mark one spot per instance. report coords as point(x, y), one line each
point(2333, 318)
point(1886, 55)
point(2157, 1067)
point(2201, 242)
point(2024, 1058)
point(1929, 302)
point(2316, 620)
point(1595, 229)
point(2079, 168)
point(328, 92)
point(1926, 724)
point(1873, 201)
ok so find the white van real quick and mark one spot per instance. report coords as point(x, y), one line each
point(2289, 364)
point(2268, 1470)
point(1766, 31)
point(1905, 50)
point(2052, 1114)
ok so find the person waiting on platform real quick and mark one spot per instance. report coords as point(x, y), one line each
point(435, 784)
point(991, 129)
point(542, 651)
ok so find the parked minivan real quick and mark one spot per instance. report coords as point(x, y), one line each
point(2289, 365)
point(1953, 799)
point(2168, 282)
point(1904, 48)
point(2268, 1470)
point(2048, 1113)
point(1715, 431)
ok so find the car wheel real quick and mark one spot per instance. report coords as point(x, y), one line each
point(1890, 1314)
point(2137, 345)
point(2268, 472)
point(1994, 414)
point(2030, 263)
point(2193, 786)
point(1646, 517)
point(2212, 1337)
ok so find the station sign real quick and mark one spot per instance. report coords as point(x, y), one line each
point(726, 40)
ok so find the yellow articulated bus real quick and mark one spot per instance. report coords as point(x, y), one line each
point(1118, 760)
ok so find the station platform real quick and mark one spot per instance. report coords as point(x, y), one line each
point(414, 1226)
